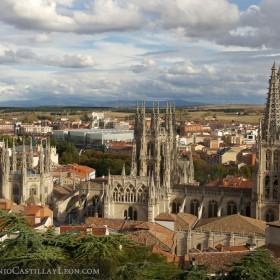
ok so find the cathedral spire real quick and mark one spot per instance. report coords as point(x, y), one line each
point(271, 123)
point(14, 157)
point(41, 158)
point(23, 160)
point(30, 158)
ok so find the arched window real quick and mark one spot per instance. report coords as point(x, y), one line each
point(127, 195)
point(232, 208)
point(276, 160)
point(194, 207)
point(33, 190)
point(175, 207)
point(269, 217)
point(248, 210)
point(132, 214)
point(140, 195)
point(275, 187)
point(121, 194)
point(268, 160)
point(212, 209)
point(16, 190)
point(268, 155)
point(267, 186)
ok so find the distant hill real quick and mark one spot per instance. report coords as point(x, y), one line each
point(89, 102)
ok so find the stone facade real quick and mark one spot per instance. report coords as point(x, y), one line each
point(20, 181)
point(156, 168)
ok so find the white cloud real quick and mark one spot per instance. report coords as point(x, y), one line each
point(28, 56)
point(259, 27)
point(146, 65)
point(104, 15)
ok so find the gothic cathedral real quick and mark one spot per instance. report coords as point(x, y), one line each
point(156, 168)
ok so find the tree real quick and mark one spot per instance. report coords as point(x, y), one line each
point(256, 265)
point(85, 117)
point(67, 153)
point(116, 256)
point(196, 272)
point(246, 171)
point(218, 171)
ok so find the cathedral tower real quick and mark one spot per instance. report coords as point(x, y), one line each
point(266, 194)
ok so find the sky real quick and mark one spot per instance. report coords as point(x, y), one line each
point(209, 51)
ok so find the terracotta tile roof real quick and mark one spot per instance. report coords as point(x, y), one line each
point(216, 262)
point(172, 258)
point(59, 192)
point(17, 208)
point(223, 248)
point(118, 225)
point(31, 209)
point(156, 235)
point(80, 171)
point(100, 231)
point(166, 217)
point(231, 181)
point(184, 220)
point(233, 223)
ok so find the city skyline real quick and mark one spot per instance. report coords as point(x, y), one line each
point(83, 50)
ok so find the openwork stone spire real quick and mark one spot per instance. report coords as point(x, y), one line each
point(271, 122)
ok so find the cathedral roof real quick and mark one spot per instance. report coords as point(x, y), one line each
point(154, 235)
point(182, 220)
point(232, 224)
point(216, 262)
point(166, 217)
point(115, 224)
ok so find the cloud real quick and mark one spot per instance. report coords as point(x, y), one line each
point(187, 68)
point(146, 65)
point(193, 18)
point(259, 27)
point(101, 16)
point(28, 56)
point(40, 38)
point(6, 55)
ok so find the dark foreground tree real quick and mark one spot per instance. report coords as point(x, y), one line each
point(256, 265)
point(113, 257)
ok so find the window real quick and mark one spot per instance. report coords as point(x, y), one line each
point(267, 186)
point(33, 191)
point(275, 187)
point(213, 209)
point(194, 207)
point(131, 214)
point(269, 217)
point(16, 190)
point(248, 210)
point(275, 160)
point(175, 207)
point(231, 208)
